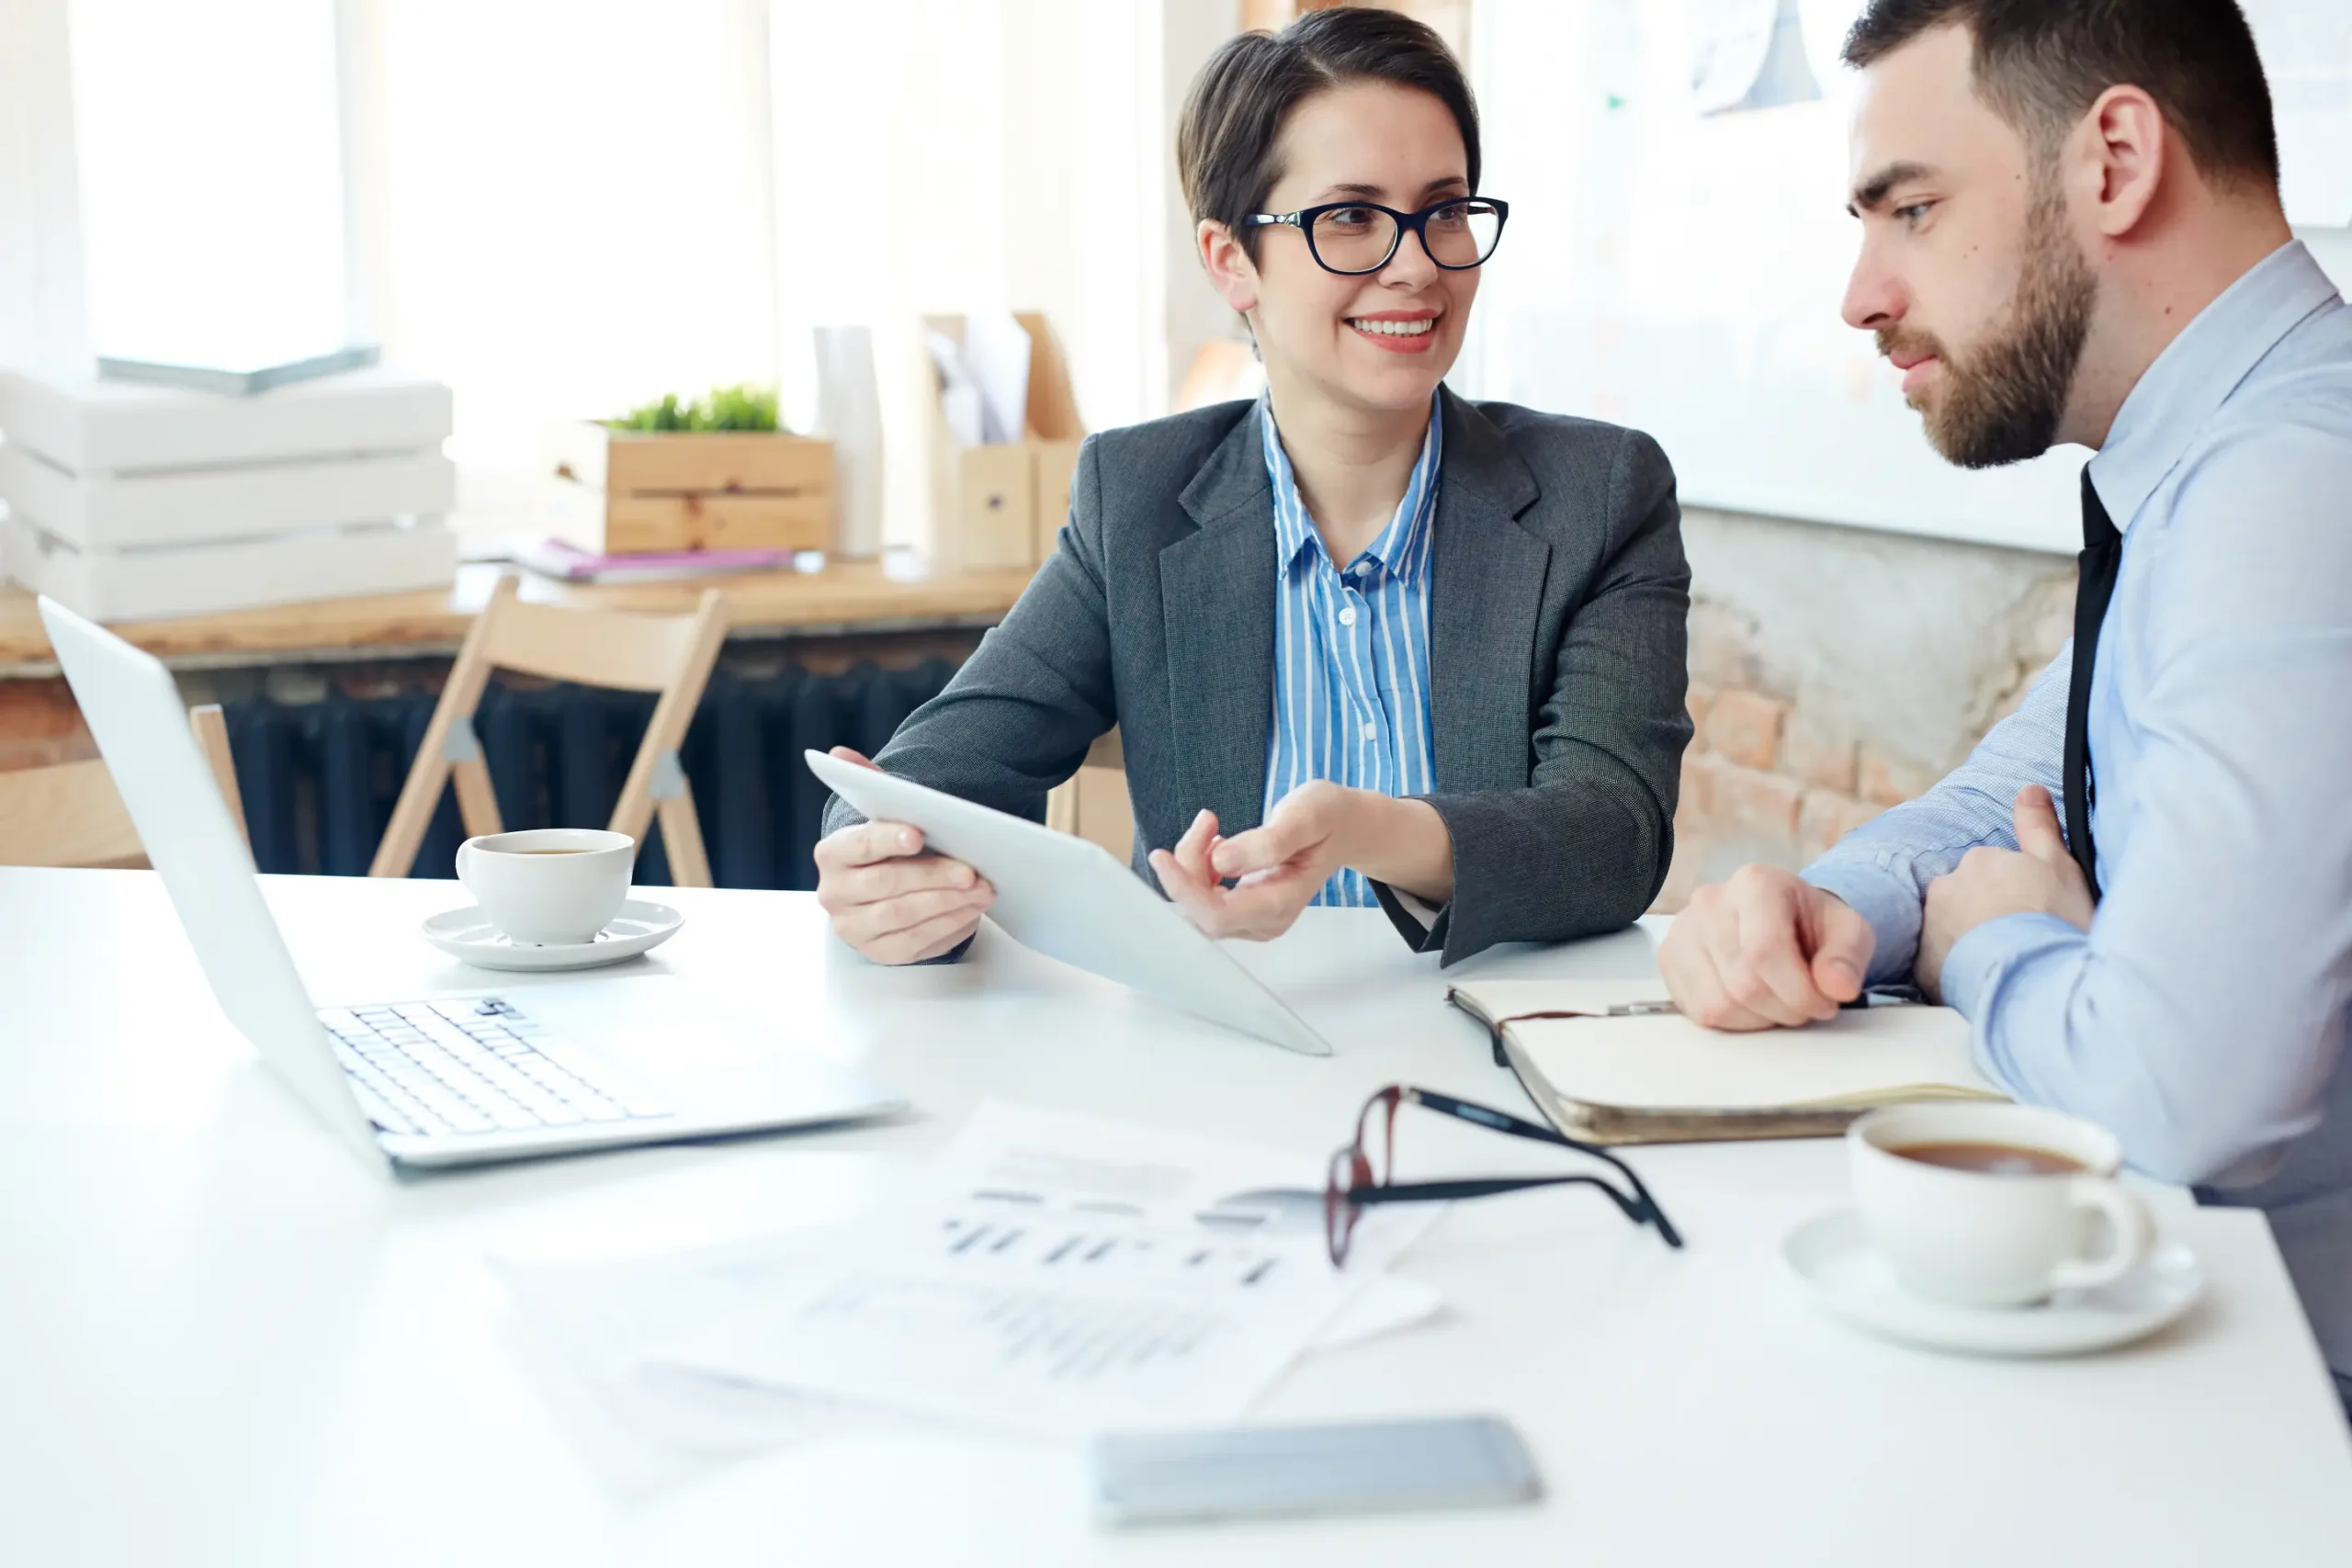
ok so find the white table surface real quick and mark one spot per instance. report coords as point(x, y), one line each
point(222, 1341)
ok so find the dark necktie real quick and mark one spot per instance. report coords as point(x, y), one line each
point(2102, 554)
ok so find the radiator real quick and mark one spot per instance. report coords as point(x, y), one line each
point(319, 778)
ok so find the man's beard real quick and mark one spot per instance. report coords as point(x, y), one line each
point(2003, 402)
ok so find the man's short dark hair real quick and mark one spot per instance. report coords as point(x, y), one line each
point(2042, 64)
point(1225, 138)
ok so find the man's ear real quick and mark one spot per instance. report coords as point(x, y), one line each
point(2124, 152)
point(1231, 272)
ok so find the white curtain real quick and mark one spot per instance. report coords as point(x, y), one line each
point(563, 209)
point(575, 208)
point(563, 213)
point(43, 319)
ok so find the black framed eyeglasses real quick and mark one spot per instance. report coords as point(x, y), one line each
point(1357, 1178)
point(1355, 237)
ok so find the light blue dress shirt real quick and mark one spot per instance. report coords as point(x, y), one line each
point(2203, 1017)
point(1351, 649)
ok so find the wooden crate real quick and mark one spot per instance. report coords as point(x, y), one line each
point(1004, 506)
point(635, 492)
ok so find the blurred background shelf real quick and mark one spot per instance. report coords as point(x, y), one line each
point(850, 597)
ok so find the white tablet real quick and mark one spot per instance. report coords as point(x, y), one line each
point(1070, 900)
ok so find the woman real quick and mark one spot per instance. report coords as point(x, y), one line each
point(1363, 640)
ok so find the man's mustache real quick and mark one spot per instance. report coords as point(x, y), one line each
point(1893, 341)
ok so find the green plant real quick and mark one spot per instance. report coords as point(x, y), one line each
point(746, 407)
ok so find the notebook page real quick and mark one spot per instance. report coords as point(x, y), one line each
point(1669, 1062)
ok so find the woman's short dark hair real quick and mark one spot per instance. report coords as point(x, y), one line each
point(1227, 137)
point(2042, 64)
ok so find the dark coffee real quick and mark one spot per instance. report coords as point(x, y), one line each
point(1996, 1159)
point(547, 851)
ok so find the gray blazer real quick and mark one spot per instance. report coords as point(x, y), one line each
point(1559, 597)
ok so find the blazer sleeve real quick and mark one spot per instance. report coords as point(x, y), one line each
point(1584, 848)
point(1018, 718)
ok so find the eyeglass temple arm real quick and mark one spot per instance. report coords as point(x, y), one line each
point(1504, 1121)
point(1641, 1210)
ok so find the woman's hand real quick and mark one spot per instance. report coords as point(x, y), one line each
point(1280, 867)
point(887, 898)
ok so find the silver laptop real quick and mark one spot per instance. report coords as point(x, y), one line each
point(445, 1080)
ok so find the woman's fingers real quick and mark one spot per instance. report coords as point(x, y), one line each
point(866, 844)
point(1197, 896)
point(1265, 905)
point(1192, 850)
point(897, 879)
point(927, 939)
point(872, 927)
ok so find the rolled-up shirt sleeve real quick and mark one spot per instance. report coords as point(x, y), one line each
point(1882, 868)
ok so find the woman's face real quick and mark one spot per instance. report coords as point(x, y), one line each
point(1381, 341)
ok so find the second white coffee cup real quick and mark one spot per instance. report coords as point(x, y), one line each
point(549, 886)
point(1981, 1204)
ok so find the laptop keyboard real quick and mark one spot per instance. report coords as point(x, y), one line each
point(474, 1066)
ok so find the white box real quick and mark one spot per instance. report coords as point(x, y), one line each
point(174, 507)
point(196, 580)
point(122, 427)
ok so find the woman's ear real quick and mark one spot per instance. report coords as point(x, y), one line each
point(1231, 272)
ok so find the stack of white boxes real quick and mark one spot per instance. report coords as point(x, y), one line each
point(127, 502)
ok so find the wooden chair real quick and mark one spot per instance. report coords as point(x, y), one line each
point(72, 814)
point(672, 655)
point(1093, 803)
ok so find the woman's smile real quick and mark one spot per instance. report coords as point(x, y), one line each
point(1398, 332)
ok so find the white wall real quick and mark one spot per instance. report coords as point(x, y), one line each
point(1192, 30)
point(43, 318)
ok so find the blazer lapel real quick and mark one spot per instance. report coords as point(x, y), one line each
point(1217, 590)
point(1487, 595)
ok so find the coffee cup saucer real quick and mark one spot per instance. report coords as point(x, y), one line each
point(1847, 1278)
point(467, 934)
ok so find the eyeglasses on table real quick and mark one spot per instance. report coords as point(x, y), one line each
point(1357, 1179)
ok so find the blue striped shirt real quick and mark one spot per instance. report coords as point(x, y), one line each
point(1351, 649)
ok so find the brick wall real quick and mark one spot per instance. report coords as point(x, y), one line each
point(1835, 672)
point(39, 726)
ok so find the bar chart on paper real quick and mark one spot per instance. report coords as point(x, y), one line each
point(1068, 1302)
point(1049, 1322)
point(1089, 1294)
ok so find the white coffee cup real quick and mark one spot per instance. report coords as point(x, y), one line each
point(549, 886)
point(1994, 1237)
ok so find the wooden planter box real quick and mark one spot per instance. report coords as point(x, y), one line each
point(634, 492)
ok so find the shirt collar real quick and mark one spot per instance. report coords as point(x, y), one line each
point(1402, 548)
point(2198, 371)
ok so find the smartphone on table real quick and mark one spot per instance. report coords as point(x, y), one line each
point(1255, 1473)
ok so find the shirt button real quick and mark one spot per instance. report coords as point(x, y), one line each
point(1371, 730)
point(1348, 615)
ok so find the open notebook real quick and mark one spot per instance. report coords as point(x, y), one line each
point(1647, 1075)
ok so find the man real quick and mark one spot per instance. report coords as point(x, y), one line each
point(2071, 232)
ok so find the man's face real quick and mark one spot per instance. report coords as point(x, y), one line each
point(1969, 273)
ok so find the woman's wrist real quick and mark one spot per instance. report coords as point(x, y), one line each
point(1400, 841)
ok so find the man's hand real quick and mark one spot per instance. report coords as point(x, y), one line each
point(888, 899)
point(1279, 866)
point(2038, 876)
point(1764, 950)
